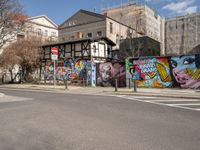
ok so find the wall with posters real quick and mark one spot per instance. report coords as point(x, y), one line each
point(177, 71)
point(106, 73)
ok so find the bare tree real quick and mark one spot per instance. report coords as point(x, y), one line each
point(11, 20)
point(25, 53)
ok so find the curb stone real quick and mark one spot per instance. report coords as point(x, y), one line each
point(2, 95)
point(156, 95)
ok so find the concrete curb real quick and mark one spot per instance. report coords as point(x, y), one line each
point(61, 90)
point(156, 95)
point(2, 95)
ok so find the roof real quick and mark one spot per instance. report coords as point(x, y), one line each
point(96, 15)
point(44, 16)
point(81, 40)
point(86, 12)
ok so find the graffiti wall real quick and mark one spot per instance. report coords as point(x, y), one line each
point(152, 72)
point(108, 72)
point(186, 71)
point(179, 71)
point(71, 70)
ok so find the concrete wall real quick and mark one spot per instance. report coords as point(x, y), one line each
point(182, 35)
point(176, 71)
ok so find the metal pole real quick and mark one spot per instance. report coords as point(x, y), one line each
point(54, 68)
point(116, 85)
point(66, 84)
point(135, 86)
point(129, 83)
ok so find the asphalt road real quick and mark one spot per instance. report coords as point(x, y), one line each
point(55, 121)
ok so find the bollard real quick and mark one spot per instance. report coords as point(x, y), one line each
point(129, 83)
point(116, 85)
point(84, 82)
point(66, 84)
point(135, 86)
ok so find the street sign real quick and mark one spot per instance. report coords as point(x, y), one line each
point(54, 50)
point(54, 57)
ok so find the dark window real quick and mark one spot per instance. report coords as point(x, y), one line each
point(46, 33)
point(109, 51)
point(89, 35)
point(111, 27)
point(72, 37)
point(99, 33)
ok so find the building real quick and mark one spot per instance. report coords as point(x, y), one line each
point(141, 18)
point(85, 24)
point(139, 47)
point(41, 27)
point(98, 49)
point(182, 34)
point(76, 59)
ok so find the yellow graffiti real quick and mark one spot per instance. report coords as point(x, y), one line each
point(194, 74)
point(163, 73)
point(151, 74)
point(79, 65)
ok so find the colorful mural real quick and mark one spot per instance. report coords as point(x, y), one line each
point(179, 71)
point(186, 71)
point(108, 72)
point(71, 70)
point(152, 72)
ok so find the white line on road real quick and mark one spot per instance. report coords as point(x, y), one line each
point(175, 100)
point(188, 104)
point(158, 103)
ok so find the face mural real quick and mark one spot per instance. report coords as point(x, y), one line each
point(108, 72)
point(186, 71)
point(152, 72)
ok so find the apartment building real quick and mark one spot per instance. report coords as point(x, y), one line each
point(182, 34)
point(90, 25)
point(141, 18)
point(40, 27)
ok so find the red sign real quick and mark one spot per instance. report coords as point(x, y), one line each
point(54, 50)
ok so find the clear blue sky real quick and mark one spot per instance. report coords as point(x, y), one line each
point(60, 10)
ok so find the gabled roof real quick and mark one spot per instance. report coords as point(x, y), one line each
point(100, 16)
point(93, 14)
point(43, 16)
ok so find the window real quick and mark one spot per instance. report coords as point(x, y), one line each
point(117, 38)
point(20, 36)
point(53, 33)
point(72, 37)
point(99, 33)
point(46, 33)
point(89, 35)
point(39, 31)
point(30, 29)
point(111, 27)
point(79, 35)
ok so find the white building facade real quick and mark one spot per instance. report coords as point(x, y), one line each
point(41, 27)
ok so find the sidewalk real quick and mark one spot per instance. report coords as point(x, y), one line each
point(175, 93)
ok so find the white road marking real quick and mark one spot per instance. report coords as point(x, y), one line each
point(175, 100)
point(7, 98)
point(189, 104)
point(159, 102)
